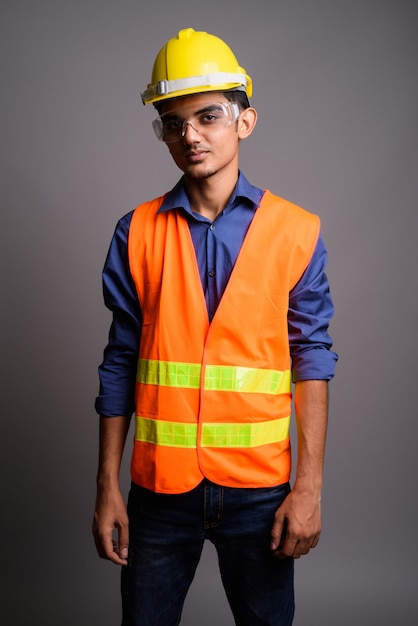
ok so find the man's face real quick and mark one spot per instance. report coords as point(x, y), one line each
point(206, 148)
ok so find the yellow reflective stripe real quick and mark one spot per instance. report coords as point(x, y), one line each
point(159, 432)
point(245, 435)
point(179, 435)
point(168, 373)
point(247, 379)
point(217, 377)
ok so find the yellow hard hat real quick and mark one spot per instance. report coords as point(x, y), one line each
point(194, 62)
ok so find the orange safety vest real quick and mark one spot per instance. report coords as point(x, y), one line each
point(214, 400)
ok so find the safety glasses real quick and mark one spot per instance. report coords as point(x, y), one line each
point(210, 118)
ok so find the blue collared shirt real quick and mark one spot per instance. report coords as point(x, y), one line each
point(217, 245)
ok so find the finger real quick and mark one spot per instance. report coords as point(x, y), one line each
point(278, 532)
point(123, 542)
point(114, 554)
point(286, 548)
point(303, 547)
point(105, 547)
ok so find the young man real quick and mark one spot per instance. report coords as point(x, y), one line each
point(215, 288)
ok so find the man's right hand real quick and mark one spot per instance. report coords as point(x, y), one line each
point(110, 515)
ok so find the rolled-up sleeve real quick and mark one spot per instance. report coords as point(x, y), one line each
point(117, 372)
point(310, 311)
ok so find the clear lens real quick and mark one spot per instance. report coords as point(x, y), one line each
point(211, 117)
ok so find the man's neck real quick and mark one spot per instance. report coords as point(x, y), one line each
point(209, 196)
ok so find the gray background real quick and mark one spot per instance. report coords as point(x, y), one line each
point(335, 85)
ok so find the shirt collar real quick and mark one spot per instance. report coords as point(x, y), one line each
point(244, 191)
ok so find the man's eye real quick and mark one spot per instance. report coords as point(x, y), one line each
point(209, 118)
point(171, 125)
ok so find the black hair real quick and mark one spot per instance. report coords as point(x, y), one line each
point(238, 96)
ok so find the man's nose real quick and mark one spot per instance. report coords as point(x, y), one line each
point(189, 129)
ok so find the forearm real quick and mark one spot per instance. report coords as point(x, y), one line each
point(311, 407)
point(113, 432)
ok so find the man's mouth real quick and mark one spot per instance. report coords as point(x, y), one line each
point(194, 155)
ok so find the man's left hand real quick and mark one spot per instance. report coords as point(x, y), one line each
point(297, 525)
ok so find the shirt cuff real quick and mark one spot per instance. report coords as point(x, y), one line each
point(114, 405)
point(314, 364)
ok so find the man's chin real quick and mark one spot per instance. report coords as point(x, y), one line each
point(196, 174)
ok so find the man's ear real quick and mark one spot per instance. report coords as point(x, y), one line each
point(246, 122)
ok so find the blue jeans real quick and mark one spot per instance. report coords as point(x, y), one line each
point(166, 540)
